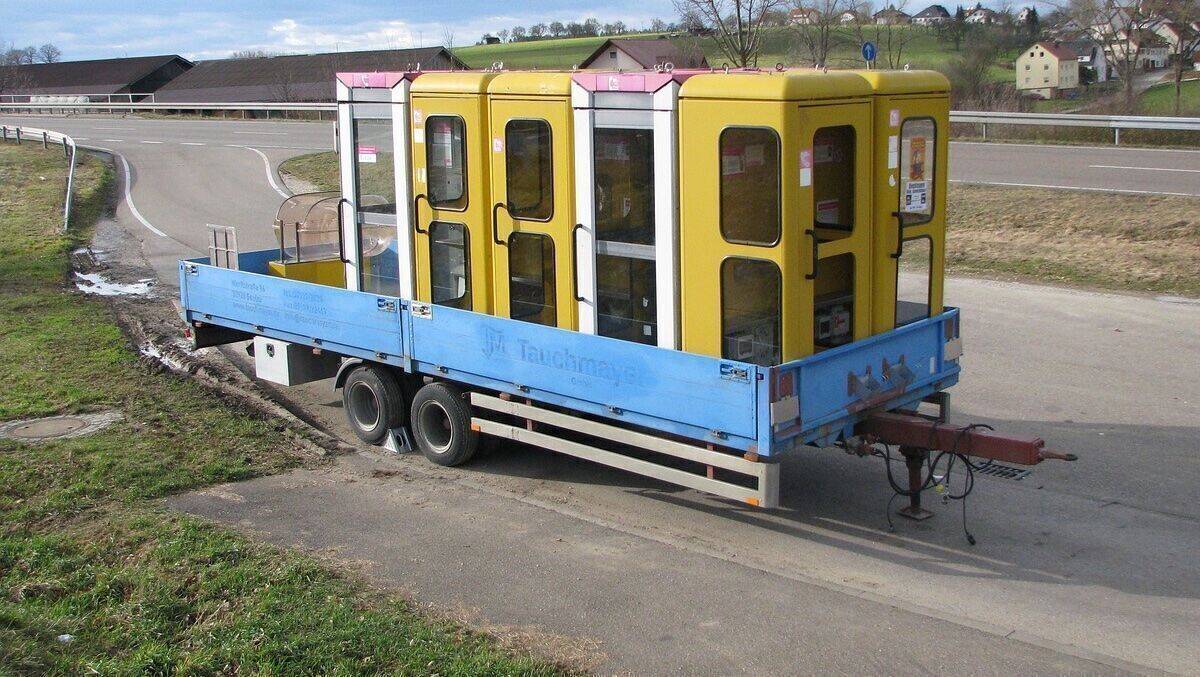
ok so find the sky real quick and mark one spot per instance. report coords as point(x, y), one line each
point(207, 29)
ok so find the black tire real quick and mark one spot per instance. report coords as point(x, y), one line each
point(373, 402)
point(441, 425)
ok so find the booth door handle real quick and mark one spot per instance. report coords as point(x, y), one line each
point(899, 234)
point(815, 258)
point(575, 261)
point(495, 225)
point(417, 212)
point(341, 232)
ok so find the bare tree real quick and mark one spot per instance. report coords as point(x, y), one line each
point(890, 37)
point(1180, 20)
point(49, 53)
point(736, 25)
point(1122, 28)
point(817, 32)
point(250, 54)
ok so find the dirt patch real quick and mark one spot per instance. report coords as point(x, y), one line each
point(1148, 243)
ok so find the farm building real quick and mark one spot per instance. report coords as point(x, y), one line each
point(626, 55)
point(931, 16)
point(304, 77)
point(99, 77)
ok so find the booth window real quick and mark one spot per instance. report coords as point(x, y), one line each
point(374, 168)
point(528, 170)
point(531, 283)
point(446, 161)
point(623, 162)
point(833, 178)
point(918, 140)
point(625, 303)
point(750, 181)
point(751, 311)
point(450, 264)
point(913, 281)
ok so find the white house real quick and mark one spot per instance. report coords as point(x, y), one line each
point(931, 16)
point(1047, 69)
point(1091, 57)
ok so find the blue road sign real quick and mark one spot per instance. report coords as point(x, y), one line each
point(868, 51)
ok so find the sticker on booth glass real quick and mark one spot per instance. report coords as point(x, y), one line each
point(367, 154)
point(894, 117)
point(497, 144)
point(733, 162)
point(418, 116)
point(916, 197)
point(806, 164)
point(824, 153)
point(893, 151)
point(916, 159)
point(418, 135)
point(827, 212)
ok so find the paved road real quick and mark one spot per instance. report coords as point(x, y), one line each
point(1104, 168)
point(1093, 561)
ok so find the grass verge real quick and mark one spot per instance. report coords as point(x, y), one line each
point(1109, 241)
point(94, 575)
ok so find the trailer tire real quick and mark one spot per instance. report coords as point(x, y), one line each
point(441, 424)
point(373, 401)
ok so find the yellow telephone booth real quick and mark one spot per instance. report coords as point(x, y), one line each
point(911, 111)
point(451, 199)
point(775, 234)
point(532, 186)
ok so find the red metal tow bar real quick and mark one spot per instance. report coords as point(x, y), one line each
point(918, 435)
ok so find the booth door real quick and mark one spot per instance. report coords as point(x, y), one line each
point(450, 199)
point(370, 164)
point(532, 217)
point(626, 203)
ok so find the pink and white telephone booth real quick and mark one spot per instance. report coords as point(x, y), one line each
point(626, 202)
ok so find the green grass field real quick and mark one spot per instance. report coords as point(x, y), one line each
point(1160, 99)
point(95, 576)
point(923, 50)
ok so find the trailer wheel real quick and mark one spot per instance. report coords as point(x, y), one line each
point(441, 424)
point(373, 402)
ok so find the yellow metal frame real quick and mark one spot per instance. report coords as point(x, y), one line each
point(328, 272)
point(545, 97)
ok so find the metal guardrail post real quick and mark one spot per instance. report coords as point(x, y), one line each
point(45, 140)
point(985, 131)
point(18, 136)
point(1116, 136)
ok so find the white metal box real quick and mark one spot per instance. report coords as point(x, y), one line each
point(289, 364)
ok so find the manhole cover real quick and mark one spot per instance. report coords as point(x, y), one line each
point(57, 427)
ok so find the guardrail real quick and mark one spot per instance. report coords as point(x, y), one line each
point(264, 106)
point(46, 137)
point(1113, 122)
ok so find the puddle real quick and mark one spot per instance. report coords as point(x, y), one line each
point(153, 352)
point(94, 283)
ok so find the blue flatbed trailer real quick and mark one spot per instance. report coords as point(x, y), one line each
point(706, 410)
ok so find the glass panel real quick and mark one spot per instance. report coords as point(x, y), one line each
point(750, 185)
point(626, 299)
point(750, 311)
point(528, 170)
point(833, 178)
point(446, 162)
point(624, 168)
point(531, 278)
point(449, 264)
point(833, 302)
point(912, 281)
point(374, 168)
point(917, 142)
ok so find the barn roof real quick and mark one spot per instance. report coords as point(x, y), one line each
point(650, 52)
point(98, 76)
point(303, 77)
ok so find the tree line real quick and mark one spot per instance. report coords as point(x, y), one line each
point(23, 56)
point(577, 29)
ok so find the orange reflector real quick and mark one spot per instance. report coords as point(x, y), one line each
point(752, 501)
point(475, 427)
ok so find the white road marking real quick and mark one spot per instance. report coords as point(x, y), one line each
point(113, 140)
point(152, 142)
point(1147, 169)
point(270, 171)
point(116, 129)
point(1002, 144)
point(129, 196)
point(270, 133)
point(191, 143)
point(1093, 190)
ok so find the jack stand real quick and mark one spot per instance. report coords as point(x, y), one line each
point(914, 458)
point(398, 441)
